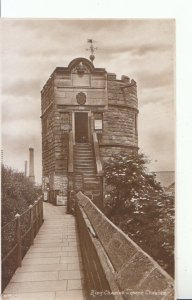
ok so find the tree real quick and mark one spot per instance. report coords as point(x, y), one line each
point(17, 193)
point(137, 203)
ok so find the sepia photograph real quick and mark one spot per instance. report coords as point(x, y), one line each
point(88, 159)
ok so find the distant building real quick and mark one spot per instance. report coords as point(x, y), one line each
point(85, 105)
point(167, 180)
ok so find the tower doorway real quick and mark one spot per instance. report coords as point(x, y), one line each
point(81, 127)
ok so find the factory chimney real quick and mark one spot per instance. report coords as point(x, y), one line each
point(31, 165)
point(25, 168)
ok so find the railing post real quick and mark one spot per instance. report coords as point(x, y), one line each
point(41, 209)
point(36, 217)
point(18, 234)
point(38, 214)
point(31, 224)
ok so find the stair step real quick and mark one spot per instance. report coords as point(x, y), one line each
point(91, 184)
point(92, 189)
point(82, 145)
point(91, 181)
point(95, 182)
point(95, 193)
point(82, 155)
point(84, 170)
point(86, 163)
point(85, 166)
point(83, 149)
point(90, 174)
point(84, 159)
point(90, 177)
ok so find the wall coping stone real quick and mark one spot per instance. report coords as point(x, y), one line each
point(106, 263)
point(149, 271)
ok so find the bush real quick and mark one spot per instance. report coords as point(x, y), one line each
point(17, 193)
point(137, 203)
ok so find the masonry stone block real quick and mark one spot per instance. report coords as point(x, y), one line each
point(96, 220)
point(121, 255)
point(134, 271)
point(105, 232)
point(156, 281)
point(83, 201)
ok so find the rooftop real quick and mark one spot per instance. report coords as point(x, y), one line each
point(166, 178)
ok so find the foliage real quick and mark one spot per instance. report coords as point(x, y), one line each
point(137, 203)
point(17, 193)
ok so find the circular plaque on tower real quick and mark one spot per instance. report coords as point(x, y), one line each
point(81, 98)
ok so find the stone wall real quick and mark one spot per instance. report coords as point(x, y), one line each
point(122, 92)
point(55, 138)
point(119, 126)
point(68, 82)
point(62, 126)
point(93, 260)
point(48, 141)
point(135, 272)
point(120, 119)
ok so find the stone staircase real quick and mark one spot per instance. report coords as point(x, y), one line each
point(84, 163)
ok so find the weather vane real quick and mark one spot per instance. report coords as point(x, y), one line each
point(92, 49)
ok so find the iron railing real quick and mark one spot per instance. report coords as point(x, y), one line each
point(17, 237)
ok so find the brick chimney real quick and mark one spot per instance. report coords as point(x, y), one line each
point(31, 165)
point(25, 168)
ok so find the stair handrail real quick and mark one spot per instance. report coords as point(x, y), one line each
point(83, 181)
point(70, 154)
point(99, 166)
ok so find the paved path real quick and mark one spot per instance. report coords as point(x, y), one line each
point(51, 269)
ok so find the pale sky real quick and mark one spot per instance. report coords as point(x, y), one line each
point(140, 49)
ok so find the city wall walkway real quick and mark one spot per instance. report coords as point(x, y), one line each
point(52, 268)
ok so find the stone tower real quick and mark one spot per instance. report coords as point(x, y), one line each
point(87, 116)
